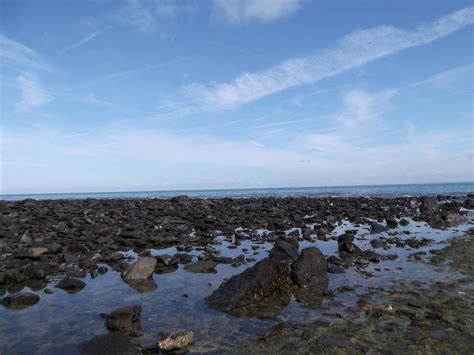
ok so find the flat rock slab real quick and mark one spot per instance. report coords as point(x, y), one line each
point(125, 319)
point(202, 266)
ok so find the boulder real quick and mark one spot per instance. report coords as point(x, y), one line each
point(376, 228)
point(141, 270)
point(20, 300)
point(309, 273)
point(109, 344)
point(176, 340)
point(262, 290)
point(429, 205)
point(346, 244)
point(126, 320)
point(284, 251)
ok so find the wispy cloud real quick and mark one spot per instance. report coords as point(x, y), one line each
point(81, 42)
point(19, 56)
point(33, 93)
point(244, 11)
point(447, 77)
point(352, 51)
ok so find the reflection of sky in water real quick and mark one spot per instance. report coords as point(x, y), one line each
point(60, 321)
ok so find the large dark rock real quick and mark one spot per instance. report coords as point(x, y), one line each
point(109, 344)
point(125, 319)
point(429, 205)
point(20, 300)
point(262, 290)
point(376, 228)
point(71, 285)
point(284, 251)
point(346, 244)
point(309, 273)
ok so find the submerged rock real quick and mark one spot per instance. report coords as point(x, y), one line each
point(202, 266)
point(71, 285)
point(176, 340)
point(142, 286)
point(109, 344)
point(262, 290)
point(125, 319)
point(20, 300)
point(141, 270)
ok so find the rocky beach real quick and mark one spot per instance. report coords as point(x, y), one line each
point(237, 275)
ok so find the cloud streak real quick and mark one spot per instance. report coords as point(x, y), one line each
point(33, 93)
point(354, 50)
point(81, 42)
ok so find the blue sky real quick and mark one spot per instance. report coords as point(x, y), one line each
point(156, 95)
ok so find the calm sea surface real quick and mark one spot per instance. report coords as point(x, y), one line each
point(366, 190)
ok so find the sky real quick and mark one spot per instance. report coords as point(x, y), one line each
point(162, 95)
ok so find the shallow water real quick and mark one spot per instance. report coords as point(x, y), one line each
point(60, 321)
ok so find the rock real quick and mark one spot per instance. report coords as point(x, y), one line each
point(222, 259)
point(404, 222)
point(335, 269)
point(429, 205)
point(202, 266)
point(176, 340)
point(38, 251)
point(454, 219)
point(142, 286)
point(125, 319)
point(102, 270)
point(109, 344)
point(20, 300)
point(141, 270)
point(284, 251)
point(71, 285)
point(25, 239)
point(37, 270)
point(262, 290)
point(376, 228)
point(309, 273)
point(435, 221)
point(346, 244)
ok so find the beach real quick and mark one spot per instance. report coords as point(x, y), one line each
point(256, 274)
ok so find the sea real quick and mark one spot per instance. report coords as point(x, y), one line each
point(455, 189)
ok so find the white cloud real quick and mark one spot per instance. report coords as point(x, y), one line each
point(19, 56)
point(352, 51)
point(361, 107)
point(81, 42)
point(33, 93)
point(448, 77)
point(243, 11)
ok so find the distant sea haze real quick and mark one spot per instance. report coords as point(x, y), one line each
point(461, 188)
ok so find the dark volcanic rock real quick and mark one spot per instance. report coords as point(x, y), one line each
point(346, 244)
point(125, 319)
point(309, 273)
point(109, 344)
point(71, 285)
point(262, 290)
point(284, 251)
point(429, 205)
point(20, 300)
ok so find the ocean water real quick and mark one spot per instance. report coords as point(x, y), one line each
point(362, 190)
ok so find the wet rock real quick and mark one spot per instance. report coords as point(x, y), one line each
point(37, 270)
point(346, 244)
point(309, 273)
point(141, 270)
point(102, 270)
point(125, 319)
point(376, 228)
point(38, 251)
point(166, 263)
point(142, 286)
point(454, 219)
point(335, 269)
point(109, 344)
point(284, 251)
point(262, 290)
point(176, 340)
point(429, 205)
point(404, 222)
point(222, 259)
point(20, 300)
point(71, 285)
point(202, 266)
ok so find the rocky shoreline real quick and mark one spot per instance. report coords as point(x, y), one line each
point(49, 244)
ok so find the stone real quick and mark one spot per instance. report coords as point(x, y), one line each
point(141, 270)
point(309, 273)
point(284, 251)
point(429, 205)
point(176, 340)
point(346, 244)
point(126, 320)
point(71, 285)
point(37, 251)
point(20, 300)
point(261, 290)
point(202, 266)
point(109, 344)
point(376, 228)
